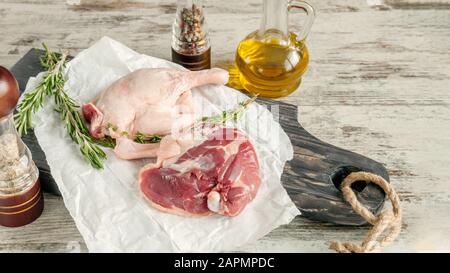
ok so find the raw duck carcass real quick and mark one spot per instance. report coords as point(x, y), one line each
point(151, 101)
point(218, 174)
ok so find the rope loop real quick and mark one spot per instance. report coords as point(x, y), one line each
point(389, 221)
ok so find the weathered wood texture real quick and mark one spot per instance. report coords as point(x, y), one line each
point(378, 84)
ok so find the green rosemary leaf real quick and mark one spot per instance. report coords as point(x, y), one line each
point(107, 142)
point(155, 139)
point(140, 138)
point(146, 139)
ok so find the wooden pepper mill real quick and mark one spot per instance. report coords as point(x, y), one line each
point(21, 199)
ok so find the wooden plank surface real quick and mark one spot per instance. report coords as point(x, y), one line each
point(378, 84)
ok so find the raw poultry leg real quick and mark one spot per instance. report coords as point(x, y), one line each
point(151, 101)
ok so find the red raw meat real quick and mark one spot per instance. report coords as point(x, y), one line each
point(220, 175)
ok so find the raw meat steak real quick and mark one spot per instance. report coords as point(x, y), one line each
point(149, 101)
point(218, 175)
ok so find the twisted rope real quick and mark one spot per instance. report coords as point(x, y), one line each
point(389, 221)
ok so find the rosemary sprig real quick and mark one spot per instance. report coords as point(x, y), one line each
point(145, 139)
point(33, 100)
point(53, 85)
point(233, 114)
point(76, 128)
point(138, 138)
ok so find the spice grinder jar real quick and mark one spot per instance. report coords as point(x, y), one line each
point(190, 39)
point(21, 200)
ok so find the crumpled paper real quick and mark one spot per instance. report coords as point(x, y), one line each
point(107, 206)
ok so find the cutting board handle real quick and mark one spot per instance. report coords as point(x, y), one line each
point(313, 177)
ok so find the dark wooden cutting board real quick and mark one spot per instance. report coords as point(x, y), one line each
point(311, 179)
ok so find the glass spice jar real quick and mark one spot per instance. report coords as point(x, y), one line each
point(190, 40)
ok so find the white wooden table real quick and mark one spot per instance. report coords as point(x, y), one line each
point(378, 84)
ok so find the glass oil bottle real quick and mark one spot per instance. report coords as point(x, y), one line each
point(271, 61)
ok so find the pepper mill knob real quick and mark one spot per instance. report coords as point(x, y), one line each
point(9, 92)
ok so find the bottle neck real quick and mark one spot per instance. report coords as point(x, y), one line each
point(275, 19)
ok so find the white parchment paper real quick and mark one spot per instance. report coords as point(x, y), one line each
point(107, 206)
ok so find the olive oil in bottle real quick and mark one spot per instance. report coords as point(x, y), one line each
point(271, 61)
point(271, 68)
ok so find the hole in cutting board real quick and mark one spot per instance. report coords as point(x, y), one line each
point(342, 172)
